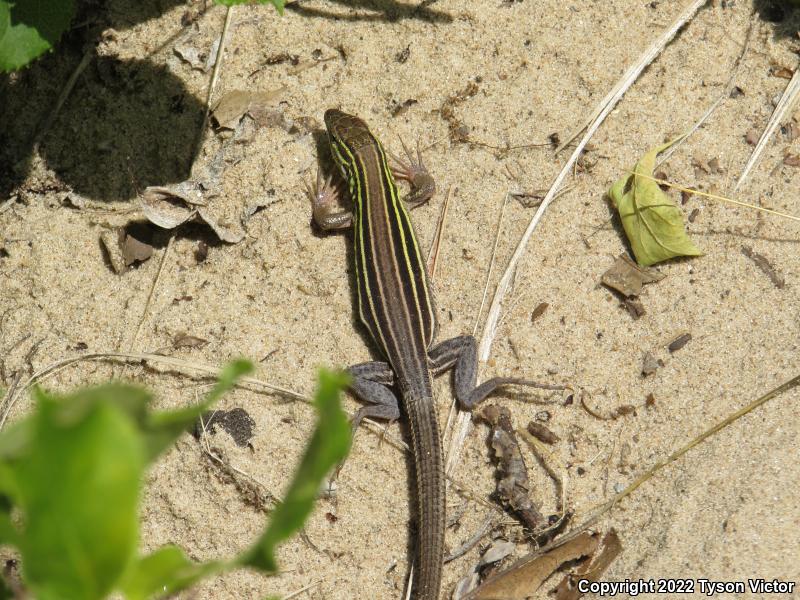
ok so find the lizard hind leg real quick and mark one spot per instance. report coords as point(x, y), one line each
point(461, 354)
point(371, 384)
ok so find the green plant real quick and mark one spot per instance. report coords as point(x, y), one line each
point(29, 28)
point(70, 479)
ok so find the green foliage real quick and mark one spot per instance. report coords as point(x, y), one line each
point(75, 477)
point(652, 221)
point(164, 572)
point(29, 28)
point(328, 446)
point(72, 473)
point(278, 4)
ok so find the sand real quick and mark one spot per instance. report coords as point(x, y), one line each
point(520, 71)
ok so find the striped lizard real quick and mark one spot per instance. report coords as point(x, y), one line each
point(395, 302)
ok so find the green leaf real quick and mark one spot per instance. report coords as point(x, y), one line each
point(329, 445)
point(77, 486)
point(29, 28)
point(73, 469)
point(163, 428)
point(165, 571)
point(652, 221)
point(278, 4)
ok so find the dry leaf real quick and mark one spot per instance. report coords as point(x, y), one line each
point(527, 575)
point(184, 340)
point(190, 55)
point(650, 363)
point(627, 277)
point(591, 570)
point(227, 233)
point(111, 244)
point(792, 160)
point(229, 109)
point(653, 223)
point(497, 552)
point(782, 72)
point(134, 250)
point(170, 206)
point(679, 342)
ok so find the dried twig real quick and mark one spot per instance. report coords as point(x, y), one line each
point(152, 292)
point(633, 72)
point(214, 77)
point(473, 540)
point(785, 105)
point(433, 253)
point(140, 357)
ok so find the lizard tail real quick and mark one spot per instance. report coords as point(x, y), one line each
point(430, 498)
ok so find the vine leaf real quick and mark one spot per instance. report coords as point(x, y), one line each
point(653, 223)
point(28, 29)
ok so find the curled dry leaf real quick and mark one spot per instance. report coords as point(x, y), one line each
point(627, 277)
point(527, 575)
point(111, 244)
point(608, 549)
point(512, 485)
point(229, 109)
point(171, 206)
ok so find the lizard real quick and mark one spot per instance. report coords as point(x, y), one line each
point(396, 304)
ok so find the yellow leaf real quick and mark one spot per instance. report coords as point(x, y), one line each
point(652, 221)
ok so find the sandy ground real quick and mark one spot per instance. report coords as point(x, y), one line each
point(729, 510)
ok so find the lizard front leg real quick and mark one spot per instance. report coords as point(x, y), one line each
point(324, 196)
point(416, 174)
